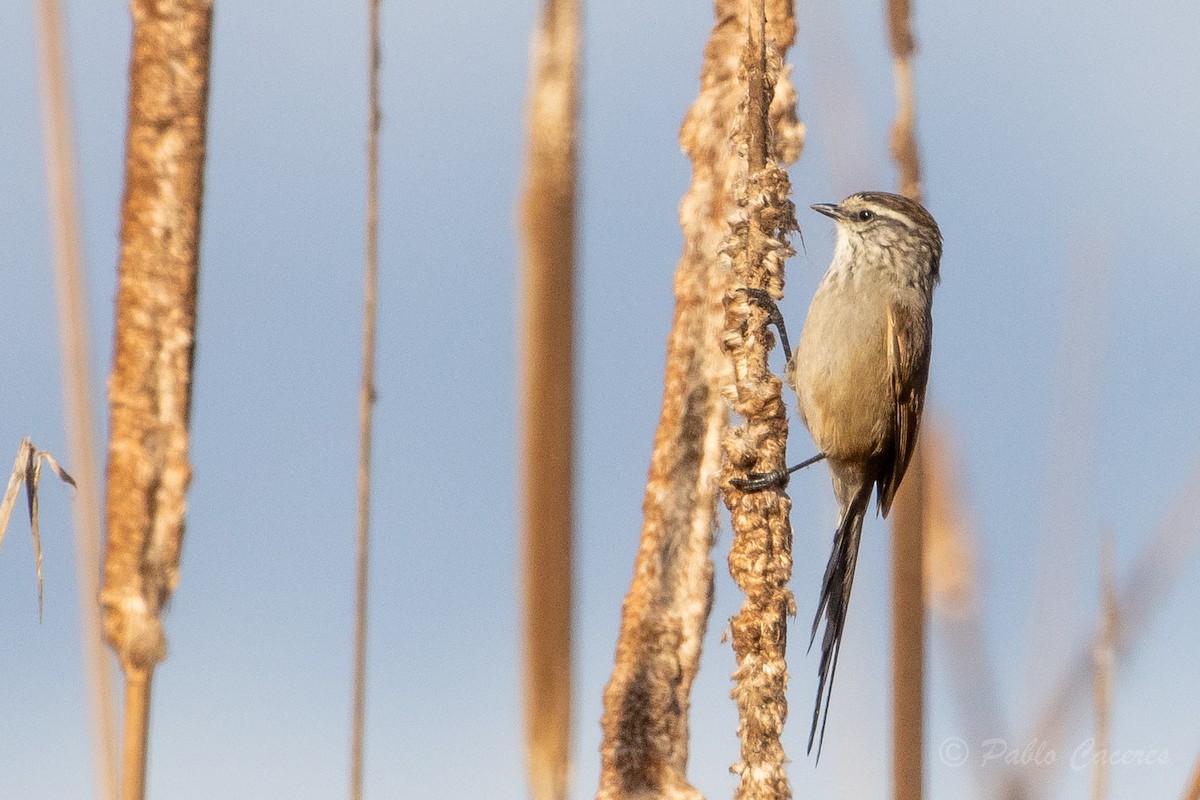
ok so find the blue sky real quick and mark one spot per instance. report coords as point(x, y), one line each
point(1061, 150)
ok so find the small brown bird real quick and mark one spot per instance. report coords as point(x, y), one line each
point(860, 375)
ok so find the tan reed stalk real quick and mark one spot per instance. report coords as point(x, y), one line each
point(150, 384)
point(1066, 528)
point(904, 140)
point(547, 344)
point(1103, 656)
point(366, 404)
point(908, 522)
point(1192, 792)
point(76, 360)
point(645, 723)
point(950, 572)
point(1065, 524)
point(1157, 568)
point(760, 559)
point(952, 586)
point(908, 631)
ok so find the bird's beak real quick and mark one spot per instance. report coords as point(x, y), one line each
point(829, 210)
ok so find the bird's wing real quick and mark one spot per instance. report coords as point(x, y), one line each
point(908, 341)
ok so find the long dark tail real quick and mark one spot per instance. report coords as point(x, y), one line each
point(835, 600)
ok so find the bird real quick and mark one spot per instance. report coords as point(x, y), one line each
point(859, 375)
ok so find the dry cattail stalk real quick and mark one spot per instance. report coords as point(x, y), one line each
point(950, 571)
point(760, 559)
point(548, 236)
point(366, 404)
point(76, 360)
point(1103, 657)
point(908, 531)
point(150, 385)
point(1157, 568)
point(645, 746)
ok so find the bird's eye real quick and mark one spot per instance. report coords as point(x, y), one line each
point(866, 215)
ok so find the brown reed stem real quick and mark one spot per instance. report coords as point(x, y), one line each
point(150, 385)
point(904, 139)
point(760, 559)
point(547, 342)
point(908, 524)
point(1103, 657)
point(908, 631)
point(137, 730)
point(1192, 792)
point(952, 585)
point(366, 405)
point(76, 360)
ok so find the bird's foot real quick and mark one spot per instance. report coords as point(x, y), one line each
point(763, 300)
point(776, 479)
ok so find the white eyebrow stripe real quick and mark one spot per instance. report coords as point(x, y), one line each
point(895, 216)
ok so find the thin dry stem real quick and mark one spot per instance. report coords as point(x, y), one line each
point(1103, 658)
point(150, 385)
point(547, 341)
point(760, 559)
point(1154, 574)
point(366, 403)
point(1065, 525)
point(1057, 598)
point(904, 138)
point(908, 524)
point(645, 748)
point(951, 574)
point(908, 631)
point(137, 729)
point(952, 585)
point(76, 360)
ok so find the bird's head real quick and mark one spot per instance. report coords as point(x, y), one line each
point(884, 224)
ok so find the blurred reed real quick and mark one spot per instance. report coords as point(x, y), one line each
point(908, 520)
point(1059, 603)
point(1103, 658)
point(1154, 574)
point(953, 586)
point(76, 358)
point(548, 210)
point(1192, 792)
point(366, 405)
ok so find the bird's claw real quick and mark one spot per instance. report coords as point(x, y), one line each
point(763, 299)
point(758, 481)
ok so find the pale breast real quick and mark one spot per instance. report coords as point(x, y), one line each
point(840, 374)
